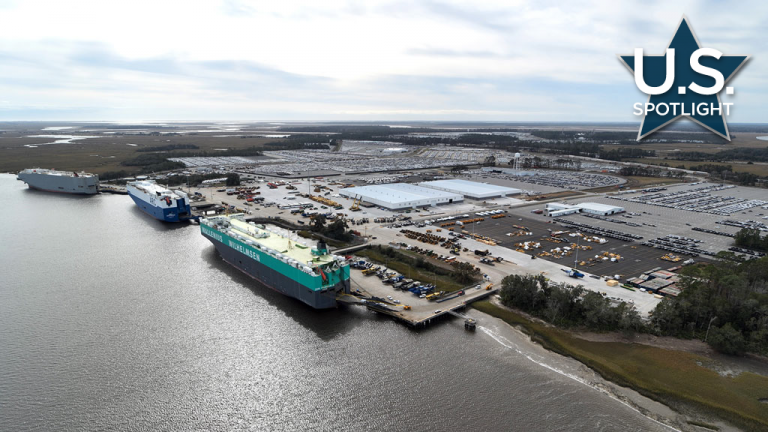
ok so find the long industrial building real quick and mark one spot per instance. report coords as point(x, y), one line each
point(395, 196)
point(561, 209)
point(471, 189)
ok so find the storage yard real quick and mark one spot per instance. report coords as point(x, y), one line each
point(568, 180)
point(626, 244)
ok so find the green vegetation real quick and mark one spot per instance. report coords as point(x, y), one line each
point(727, 299)
point(724, 304)
point(463, 272)
point(233, 179)
point(636, 181)
point(567, 306)
point(727, 173)
point(354, 132)
point(560, 163)
point(416, 268)
point(738, 153)
point(247, 151)
point(744, 174)
point(192, 180)
point(336, 230)
point(750, 239)
point(622, 153)
point(168, 147)
point(152, 162)
point(675, 378)
point(626, 137)
point(295, 145)
point(113, 175)
point(640, 171)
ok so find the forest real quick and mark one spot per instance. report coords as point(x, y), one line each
point(567, 306)
point(622, 153)
point(751, 239)
point(724, 304)
point(738, 153)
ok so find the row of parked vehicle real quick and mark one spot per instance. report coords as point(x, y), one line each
point(678, 245)
point(398, 281)
point(750, 252)
point(603, 232)
point(710, 231)
point(700, 200)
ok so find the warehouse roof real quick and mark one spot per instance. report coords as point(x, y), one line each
point(471, 188)
point(598, 206)
point(396, 193)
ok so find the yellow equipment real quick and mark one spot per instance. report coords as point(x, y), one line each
point(356, 204)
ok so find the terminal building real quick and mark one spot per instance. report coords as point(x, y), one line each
point(470, 189)
point(396, 196)
point(561, 209)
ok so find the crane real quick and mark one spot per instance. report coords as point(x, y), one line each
point(356, 203)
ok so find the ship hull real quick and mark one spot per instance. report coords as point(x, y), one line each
point(165, 214)
point(61, 184)
point(277, 281)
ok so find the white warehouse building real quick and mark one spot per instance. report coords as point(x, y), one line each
point(561, 209)
point(471, 189)
point(395, 196)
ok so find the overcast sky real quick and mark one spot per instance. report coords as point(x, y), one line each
point(358, 60)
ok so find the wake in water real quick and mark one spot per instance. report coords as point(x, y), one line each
point(595, 386)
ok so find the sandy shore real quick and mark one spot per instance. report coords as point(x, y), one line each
point(666, 417)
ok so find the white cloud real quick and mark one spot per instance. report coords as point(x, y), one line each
point(204, 59)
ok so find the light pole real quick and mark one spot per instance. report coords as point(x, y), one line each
point(578, 246)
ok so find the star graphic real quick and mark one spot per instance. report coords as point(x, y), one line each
point(685, 43)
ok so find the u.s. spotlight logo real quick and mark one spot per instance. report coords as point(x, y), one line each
point(684, 82)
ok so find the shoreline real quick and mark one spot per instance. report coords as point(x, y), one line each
point(682, 415)
point(581, 373)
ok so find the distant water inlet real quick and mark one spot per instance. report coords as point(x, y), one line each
point(58, 139)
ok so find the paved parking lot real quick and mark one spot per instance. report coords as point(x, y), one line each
point(658, 221)
point(636, 258)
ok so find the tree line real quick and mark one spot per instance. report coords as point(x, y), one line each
point(647, 171)
point(152, 162)
point(622, 153)
point(726, 173)
point(738, 153)
point(549, 163)
point(337, 230)
point(751, 239)
point(725, 304)
point(169, 147)
point(626, 137)
point(567, 306)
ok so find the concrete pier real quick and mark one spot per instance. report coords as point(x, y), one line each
point(422, 311)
